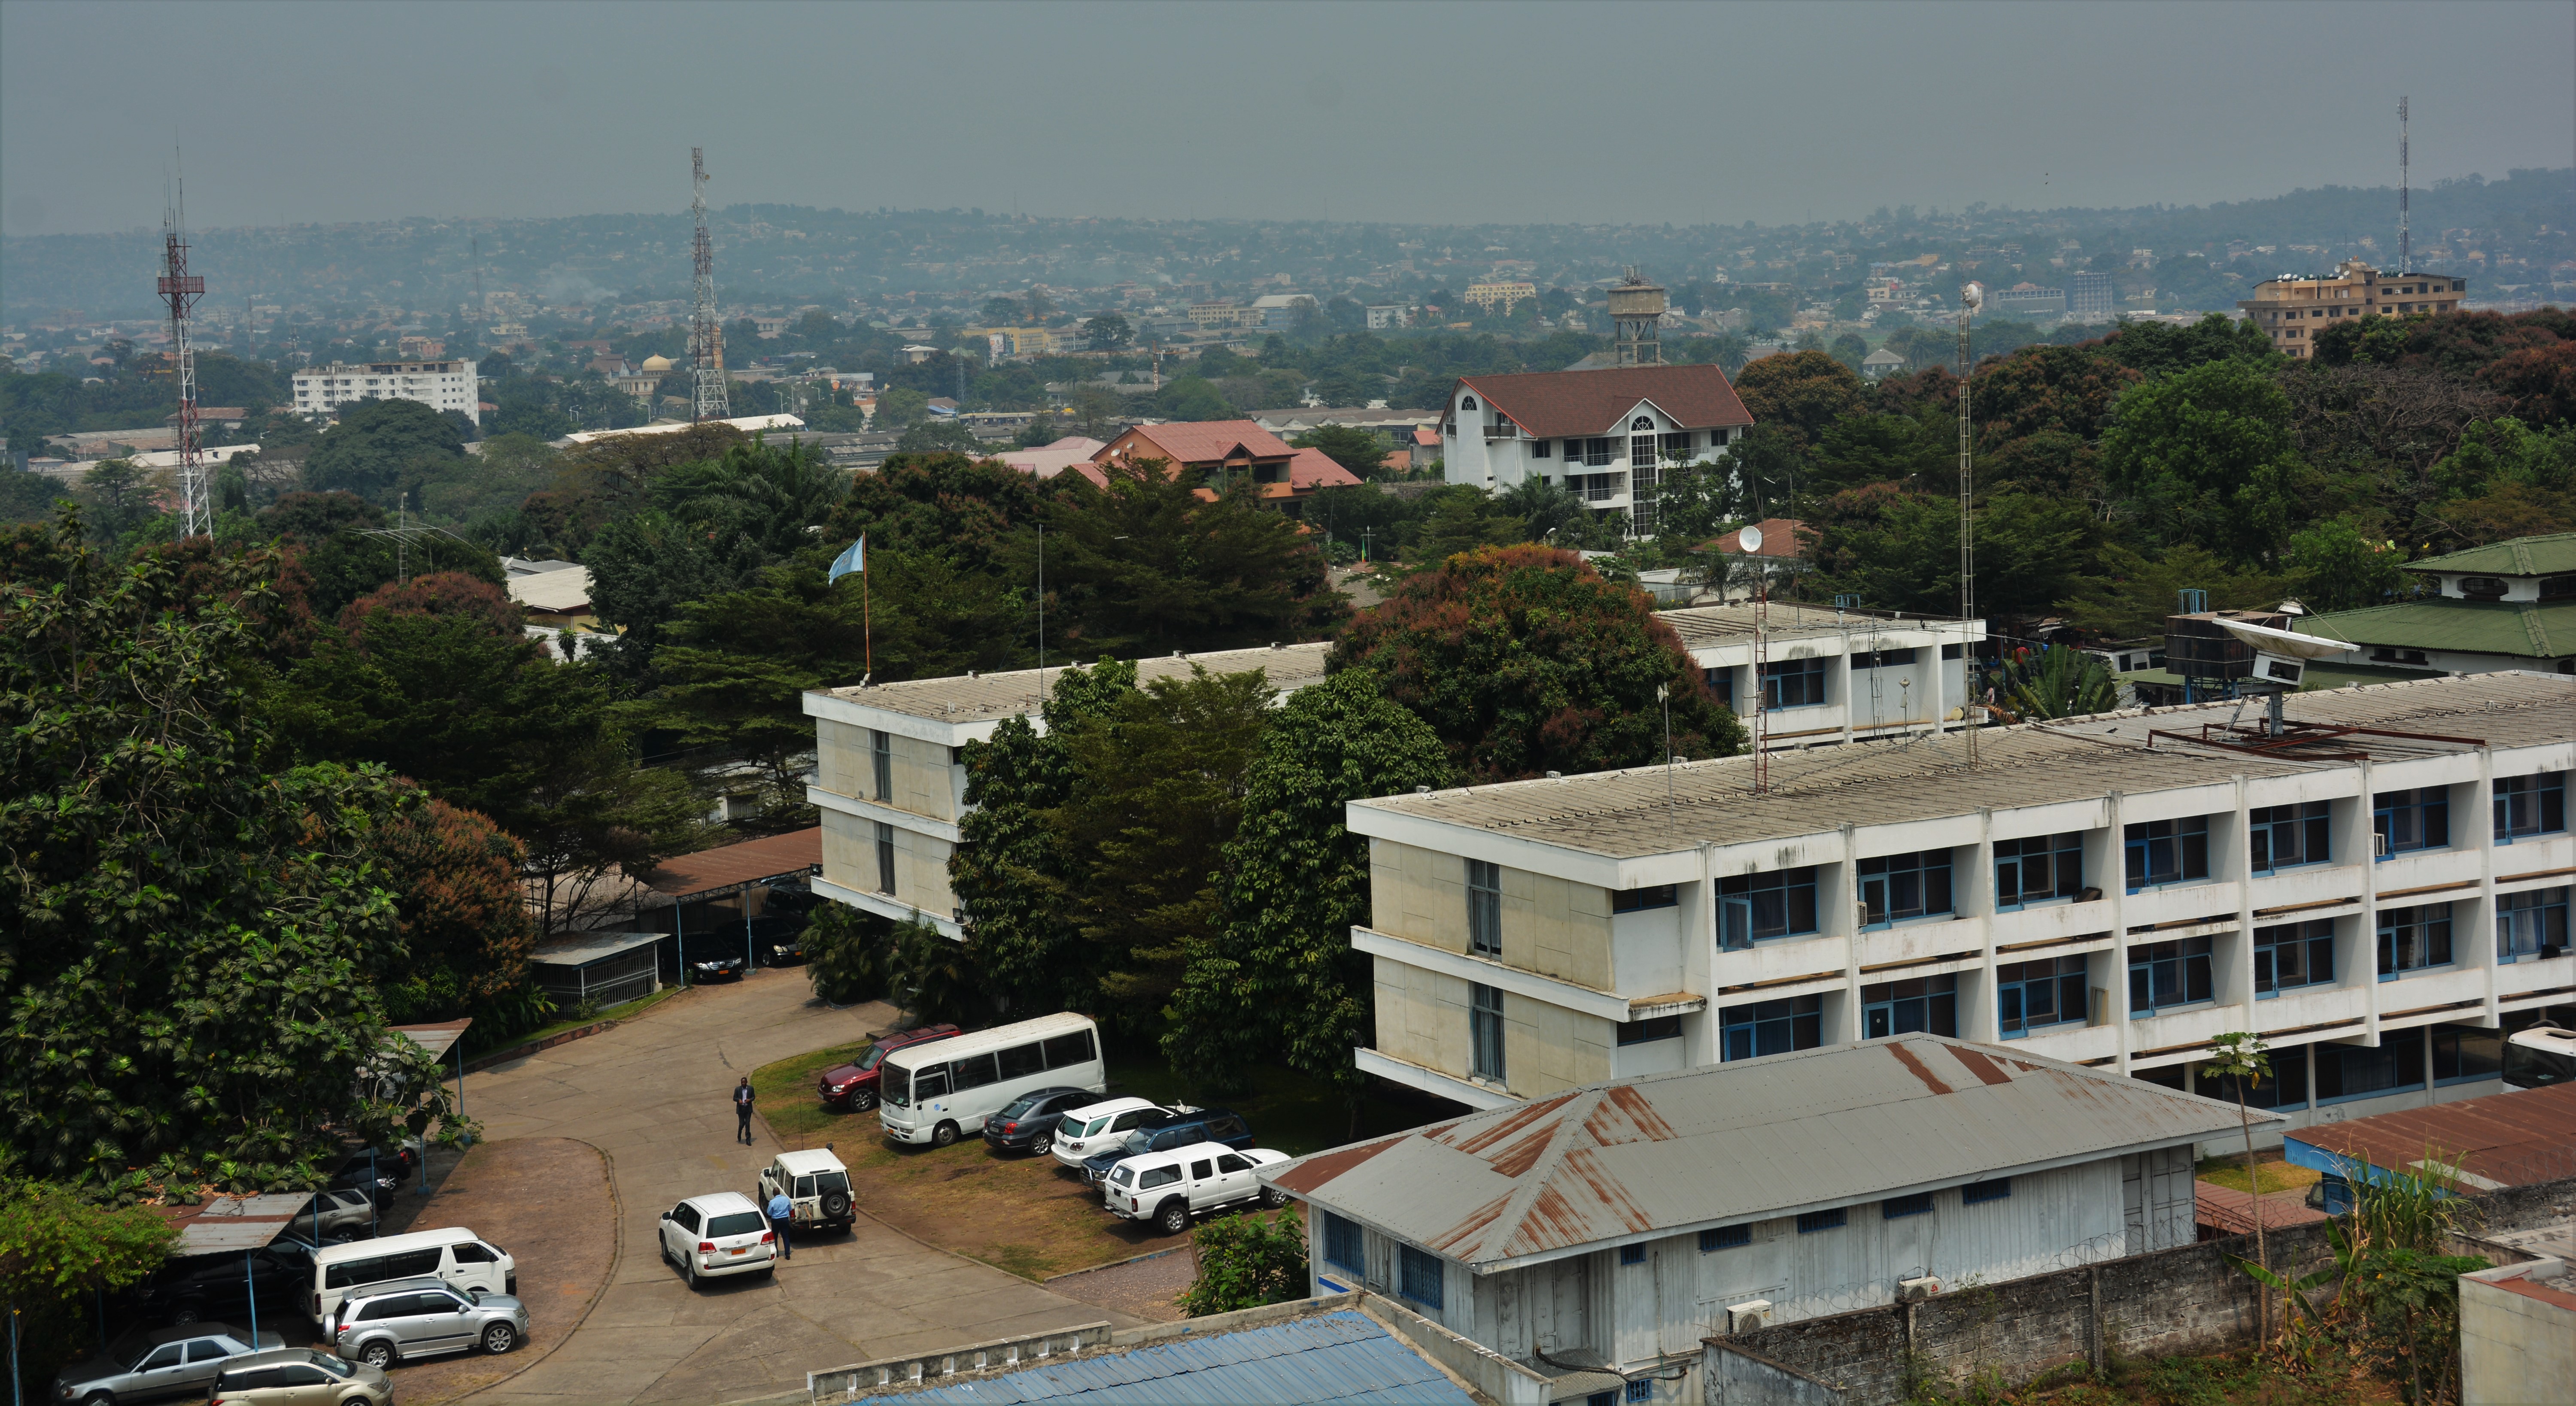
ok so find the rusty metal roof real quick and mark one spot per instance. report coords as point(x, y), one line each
point(1665, 1154)
point(796, 853)
point(2519, 1138)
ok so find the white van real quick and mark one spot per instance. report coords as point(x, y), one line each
point(456, 1255)
point(941, 1090)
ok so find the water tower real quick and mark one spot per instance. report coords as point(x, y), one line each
point(1637, 312)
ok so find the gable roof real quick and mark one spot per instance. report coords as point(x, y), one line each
point(2530, 629)
point(1552, 404)
point(1663, 1154)
point(2544, 555)
point(1313, 468)
point(1204, 441)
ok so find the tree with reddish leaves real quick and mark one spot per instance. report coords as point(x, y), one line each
point(1525, 660)
point(466, 930)
point(445, 594)
point(1802, 392)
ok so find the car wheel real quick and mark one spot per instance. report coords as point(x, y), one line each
point(378, 1355)
point(1273, 1197)
point(1173, 1217)
point(499, 1338)
point(689, 1271)
point(864, 1101)
point(836, 1204)
point(99, 1398)
point(945, 1135)
point(186, 1314)
point(1043, 1145)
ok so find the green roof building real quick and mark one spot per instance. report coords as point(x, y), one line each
point(2509, 605)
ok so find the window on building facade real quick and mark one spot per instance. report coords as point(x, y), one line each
point(1979, 1193)
point(881, 754)
point(1343, 1244)
point(1720, 683)
point(2166, 851)
point(1638, 900)
point(2034, 995)
point(2530, 805)
point(1773, 1027)
point(2464, 1054)
point(1896, 887)
point(2164, 975)
point(1642, 1389)
point(2038, 868)
point(2351, 1071)
point(1485, 1031)
point(2287, 836)
point(1923, 1005)
point(2532, 923)
point(885, 857)
point(2285, 1087)
point(1641, 451)
point(1754, 908)
point(1418, 1276)
point(2414, 939)
point(2411, 820)
point(1883, 659)
point(1899, 1207)
point(1661, 1027)
point(1793, 683)
point(1725, 1237)
point(1538, 450)
point(1813, 1221)
point(1484, 908)
point(1632, 1254)
point(2293, 955)
point(1597, 452)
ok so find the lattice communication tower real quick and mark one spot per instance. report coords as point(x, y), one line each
point(181, 290)
point(706, 335)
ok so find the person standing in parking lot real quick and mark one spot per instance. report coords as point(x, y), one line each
point(742, 1110)
point(781, 1211)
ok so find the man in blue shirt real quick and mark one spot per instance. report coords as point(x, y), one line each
point(781, 1211)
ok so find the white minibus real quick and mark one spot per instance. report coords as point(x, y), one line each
point(456, 1255)
point(941, 1090)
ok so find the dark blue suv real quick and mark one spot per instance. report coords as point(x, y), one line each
point(1164, 1131)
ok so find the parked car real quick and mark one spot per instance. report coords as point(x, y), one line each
point(202, 1287)
point(718, 961)
point(1028, 1123)
point(716, 1236)
point(1097, 1127)
point(339, 1212)
point(853, 1087)
point(452, 1254)
point(815, 1182)
point(779, 940)
point(1217, 1125)
point(300, 1376)
point(1167, 1188)
point(157, 1362)
point(386, 1323)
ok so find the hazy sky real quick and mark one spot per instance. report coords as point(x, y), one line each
point(1516, 113)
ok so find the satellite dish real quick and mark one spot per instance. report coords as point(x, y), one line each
point(2267, 640)
point(1972, 295)
point(1750, 539)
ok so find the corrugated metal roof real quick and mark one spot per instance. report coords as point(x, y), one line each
point(1015, 694)
point(2544, 555)
point(1331, 1357)
point(2525, 629)
point(728, 866)
point(236, 1224)
point(1702, 626)
point(2519, 1138)
point(583, 949)
point(1664, 1154)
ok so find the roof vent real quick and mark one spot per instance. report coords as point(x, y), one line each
point(970, 673)
point(1556, 776)
point(1179, 655)
point(1422, 790)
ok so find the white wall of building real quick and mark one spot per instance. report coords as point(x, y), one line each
point(440, 385)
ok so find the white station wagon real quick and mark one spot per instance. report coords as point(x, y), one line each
point(1098, 1127)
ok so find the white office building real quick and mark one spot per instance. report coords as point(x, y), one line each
point(1607, 436)
point(440, 385)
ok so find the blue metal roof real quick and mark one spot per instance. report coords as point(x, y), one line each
point(1329, 1358)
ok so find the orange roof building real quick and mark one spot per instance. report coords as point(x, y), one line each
point(1223, 450)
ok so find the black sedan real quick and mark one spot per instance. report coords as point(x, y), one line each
point(1028, 1124)
point(717, 964)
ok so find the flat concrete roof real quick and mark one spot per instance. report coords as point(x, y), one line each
point(989, 697)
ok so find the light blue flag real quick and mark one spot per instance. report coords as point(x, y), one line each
point(855, 559)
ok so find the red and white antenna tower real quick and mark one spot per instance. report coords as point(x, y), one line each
point(181, 290)
point(706, 335)
point(1749, 541)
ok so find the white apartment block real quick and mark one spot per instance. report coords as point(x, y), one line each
point(1606, 436)
point(440, 385)
point(2381, 892)
point(1829, 675)
point(891, 783)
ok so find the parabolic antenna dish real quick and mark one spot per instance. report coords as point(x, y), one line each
point(1750, 539)
point(2267, 640)
point(1973, 295)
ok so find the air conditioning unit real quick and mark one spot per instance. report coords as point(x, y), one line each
point(1917, 1290)
point(1748, 1316)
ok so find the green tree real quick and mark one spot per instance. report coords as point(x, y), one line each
point(1542, 505)
point(2333, 566)
point(899, 408)
point(117, 495)
point(2208, 457)
point(1359, 450)
point(1464, 518)
point(1861, 449)
point(383, 448)
point(1245, 1262)
point(58, 1251)
point(847, 951)
point(1694, 503)
point(1768, 462)
point(2242, 1060)
point(2058, 682)
point(1903, 553)
point(340, 543)
point(463, 918)
point(1107, 332)
point(1524, 660)
point(708, 527)
point(941, 435)
point(1097, 411)
point(27, 497)
point(1281, 980)
point(1850, 349)
point(1801, 392)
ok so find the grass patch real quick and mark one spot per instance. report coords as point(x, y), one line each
point(2229, 1172)
point(787, 1098)
point(625, 1011)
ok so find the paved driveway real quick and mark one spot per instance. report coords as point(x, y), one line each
point(652, 1095)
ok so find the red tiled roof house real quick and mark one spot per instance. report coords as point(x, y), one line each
point(1224, 450)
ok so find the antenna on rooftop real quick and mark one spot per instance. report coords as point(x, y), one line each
point(181, 290)
point(706, 336)
point(2405, 251)
point(1969, 299)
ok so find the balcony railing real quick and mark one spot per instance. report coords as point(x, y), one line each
point(1600, 495)
point(1502, 431)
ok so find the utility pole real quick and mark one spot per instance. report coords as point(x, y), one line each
point(1969, 298)
point(706, 335)
point(2405, 250)
point(181, 290)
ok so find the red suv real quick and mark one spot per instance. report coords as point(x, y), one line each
point(852, 1088)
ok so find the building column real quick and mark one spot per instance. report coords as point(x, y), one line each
point(2241, 869)
point(1842, 675)
point(2116, 892)
point(2482, 825)
point(1976, 894)
point(1845, 910)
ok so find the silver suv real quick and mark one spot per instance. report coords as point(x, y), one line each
point(424, 1317)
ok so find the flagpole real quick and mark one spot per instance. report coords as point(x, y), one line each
point(867, 621)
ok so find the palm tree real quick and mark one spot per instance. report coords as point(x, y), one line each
point(2241, 1058)
point(2059, 682)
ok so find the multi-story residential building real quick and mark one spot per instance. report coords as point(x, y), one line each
point(1223, 317)
point(1829, 675)
point(2293, 308)
point(2507, 605)
point(892, 789)
point(440, 385)
point(1221, 451)
point(1503, 297)
point(1598, 1235)
point(2091, 296)
point(1604, 435)
point(2380, 892)
point(2027, 300)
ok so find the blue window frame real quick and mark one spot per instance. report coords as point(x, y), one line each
point(1773, 1027)
point(2285, 837)
point(2414, 939)
point(2350, 1071)
point(1640, 899)
point(1418, 1274)
point(2530, 805)
point(2166, 851)
point(1754, 908)
point(2532, 923)
point(1814, 1221)
point(1896, 887)
point(1725, 1237)
point(1978, 1193)
point(2411, 820)
point(1652, 1028)
point(1721, 686)
point(2034, 995)
point(1632, 1254)
point(1343, 1244)
point(2166, 975)
point(2465, 1054)
point(1925, 1004)
point(2037, 869)
point(1899, 1207)
point(1793, 683)
point(2286, 1087)
point(2293, 955)
point(1883, 659)
point(1642, 1389)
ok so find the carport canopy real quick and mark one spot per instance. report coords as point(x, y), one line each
point(727, 868)
point(233, 1225)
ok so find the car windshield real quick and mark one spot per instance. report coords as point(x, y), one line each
point(876, 1054)
point(734, 1223)
point(339, 1365)
point(895, 1087)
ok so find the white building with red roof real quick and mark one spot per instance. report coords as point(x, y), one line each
point(1225, 450)
point(1607, 436)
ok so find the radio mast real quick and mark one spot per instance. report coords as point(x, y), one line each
point(181, 290)
point(2405, 251)
point(706, 336)
point(1969, 298)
